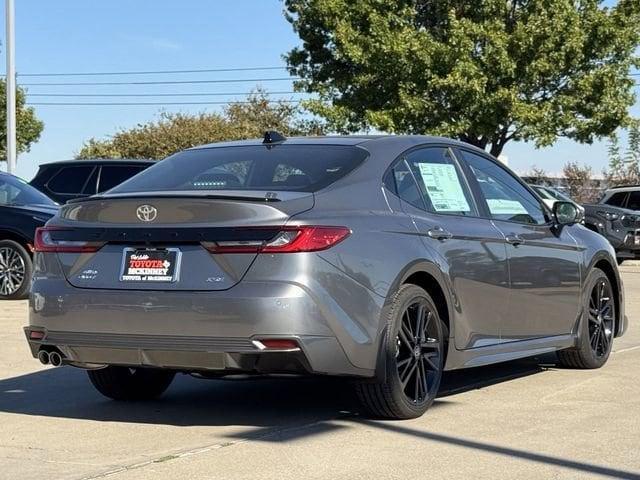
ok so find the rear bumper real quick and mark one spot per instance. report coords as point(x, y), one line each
point(196, 331)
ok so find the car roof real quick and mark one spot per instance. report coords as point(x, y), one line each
point(99, 161)
point(363, 140)
point(623, 188)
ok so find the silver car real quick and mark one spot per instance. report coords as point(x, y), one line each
point(385, 259)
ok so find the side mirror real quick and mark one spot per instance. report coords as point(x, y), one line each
point(565, 213)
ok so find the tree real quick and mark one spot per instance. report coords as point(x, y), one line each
point(28, 127)
point(624, 168)
point(485, 71)
point(579, 179)
point(173, 132)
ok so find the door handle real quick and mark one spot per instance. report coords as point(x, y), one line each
point(514, 239)
point(439, 233)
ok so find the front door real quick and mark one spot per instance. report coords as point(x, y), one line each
point(544, 260)
point(470, 250)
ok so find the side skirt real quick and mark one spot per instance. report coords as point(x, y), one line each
point(476, 357)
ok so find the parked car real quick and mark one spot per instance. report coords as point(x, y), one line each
point(617, 217)
point(383, 259)
point(72, 179)
point(22, 209)
point(550, 196)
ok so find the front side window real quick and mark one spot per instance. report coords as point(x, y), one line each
point(441, 182)
point(506, 198)
point(301, 168)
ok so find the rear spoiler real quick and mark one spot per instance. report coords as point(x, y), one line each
point(268, 197)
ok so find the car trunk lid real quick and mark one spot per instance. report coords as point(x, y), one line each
point(143, 236)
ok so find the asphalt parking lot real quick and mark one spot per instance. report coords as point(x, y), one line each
point(524, 419)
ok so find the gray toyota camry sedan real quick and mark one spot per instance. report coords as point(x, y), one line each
point(386, 259)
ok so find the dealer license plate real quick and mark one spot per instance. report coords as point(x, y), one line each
point(150, 265)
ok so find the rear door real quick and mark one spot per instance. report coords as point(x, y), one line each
point(544, 260)
point(468, 248)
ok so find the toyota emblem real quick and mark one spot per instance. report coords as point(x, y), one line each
point(146, 213)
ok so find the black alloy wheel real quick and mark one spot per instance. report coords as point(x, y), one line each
point(601, 318)
point(598, 325)
point(418, 352)
point(411, 360)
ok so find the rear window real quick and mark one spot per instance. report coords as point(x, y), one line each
point(301, 168)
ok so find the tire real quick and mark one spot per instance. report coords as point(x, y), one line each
point(406, 393)
point(15, 271)
point(597, 326)
point(131, 384)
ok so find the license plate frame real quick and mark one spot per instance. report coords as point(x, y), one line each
point(146, 274)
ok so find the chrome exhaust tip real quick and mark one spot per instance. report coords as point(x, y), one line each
point(43, 356)
point(55, 359)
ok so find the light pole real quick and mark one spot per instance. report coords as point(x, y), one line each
point(11, 87)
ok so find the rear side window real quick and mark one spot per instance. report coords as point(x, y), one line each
point(617, 199)
point(303, 168)
point(405, 186)
point(112, 175)
point(70, 180)
point(440, 181)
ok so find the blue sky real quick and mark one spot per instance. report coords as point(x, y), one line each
point(119, 35)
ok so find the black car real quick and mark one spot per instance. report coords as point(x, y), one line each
point(70, 179)
point(22, 209)
point(617, 217)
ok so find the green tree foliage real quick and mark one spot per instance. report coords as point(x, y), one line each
point(28, 127)
point(173, 132)
point(485, 71)
point(579, 180)
point(624, 168)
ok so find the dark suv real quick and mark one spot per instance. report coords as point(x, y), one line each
point(66, 180)
point(617, 217)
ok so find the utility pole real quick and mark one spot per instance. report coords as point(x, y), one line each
point(11, 87)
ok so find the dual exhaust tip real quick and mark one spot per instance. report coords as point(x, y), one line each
point(50, 358)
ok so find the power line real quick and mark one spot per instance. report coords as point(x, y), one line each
point(151, 103)
point(159, 82)
point(204, 94)
point(149, 72)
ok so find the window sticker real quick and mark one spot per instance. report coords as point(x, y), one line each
point(499, 206)
point(443, 187)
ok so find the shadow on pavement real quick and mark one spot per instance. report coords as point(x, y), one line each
point(271, 407)
point(67, 393)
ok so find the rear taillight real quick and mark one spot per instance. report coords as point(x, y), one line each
point(45, 241)
point(305, 238)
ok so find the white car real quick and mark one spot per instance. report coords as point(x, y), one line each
point(550, 196)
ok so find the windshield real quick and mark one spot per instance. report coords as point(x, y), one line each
point(542, 192)
point(15, 191)
point(298, 168)
point(558, 195)
point(550, 194)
